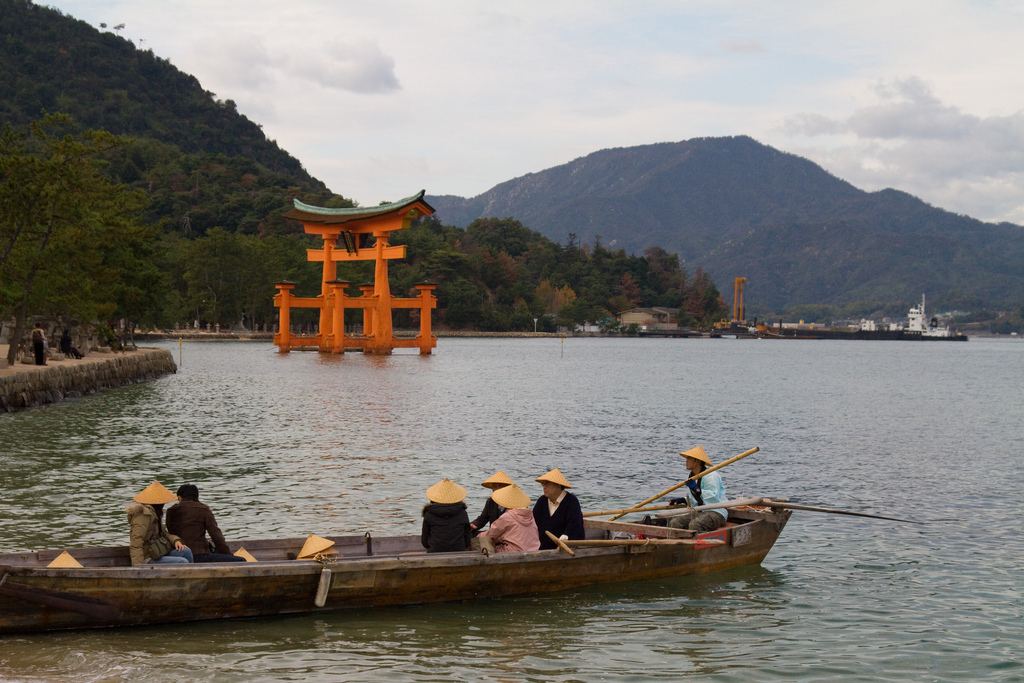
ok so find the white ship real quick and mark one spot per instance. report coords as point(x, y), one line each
point(918, 323)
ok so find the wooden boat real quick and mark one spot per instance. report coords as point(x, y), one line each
point(367, 572)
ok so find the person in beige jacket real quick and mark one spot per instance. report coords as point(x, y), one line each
point(148, 541)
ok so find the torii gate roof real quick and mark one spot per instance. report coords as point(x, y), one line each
point(305, 213)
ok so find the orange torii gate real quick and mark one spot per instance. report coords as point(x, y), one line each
point(351, 228)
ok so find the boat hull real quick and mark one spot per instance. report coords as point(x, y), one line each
point(35, 598)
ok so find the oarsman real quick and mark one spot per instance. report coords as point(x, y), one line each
point(192, 520)
point(558, 511)
point(492, 510)
point(707, 490)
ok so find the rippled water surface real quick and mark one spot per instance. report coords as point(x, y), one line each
point(301, 443)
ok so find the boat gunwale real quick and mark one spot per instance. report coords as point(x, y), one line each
point(296, 567)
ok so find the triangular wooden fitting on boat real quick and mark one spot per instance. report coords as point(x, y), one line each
point(64, 561)
point(243, 553)
point(313, 545)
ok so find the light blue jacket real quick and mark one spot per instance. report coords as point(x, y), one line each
point(712, 490)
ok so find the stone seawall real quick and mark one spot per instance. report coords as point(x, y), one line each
point(30, 385)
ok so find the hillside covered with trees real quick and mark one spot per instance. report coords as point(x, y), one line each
point(195, 231)
point(737, 208)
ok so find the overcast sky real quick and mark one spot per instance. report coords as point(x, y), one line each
point(380, 99)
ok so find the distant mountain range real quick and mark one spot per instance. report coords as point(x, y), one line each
point(735, 207)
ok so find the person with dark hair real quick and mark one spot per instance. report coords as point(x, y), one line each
point(65, 345)
point(192, 520)
point(492, 510)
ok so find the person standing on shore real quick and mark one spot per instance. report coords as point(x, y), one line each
point(39, 344)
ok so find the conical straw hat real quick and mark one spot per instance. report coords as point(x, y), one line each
point(313, 545)
point(497, 480)
point(555, 477)
point(242, 552)
point(697, 452)
point(446, 491)
point(64, 560)
point(511, 497)
point(155, 494)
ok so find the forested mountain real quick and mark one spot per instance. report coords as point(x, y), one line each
point(739, 208)
point(201, 162)
point(180, 218)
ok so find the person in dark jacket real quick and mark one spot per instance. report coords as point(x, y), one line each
point(65, 345)
point(39, 344)
point(557, 511)
point(491, 509)
point(191, 520)
point(445, 520)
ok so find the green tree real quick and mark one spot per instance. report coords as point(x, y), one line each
point(71, 243)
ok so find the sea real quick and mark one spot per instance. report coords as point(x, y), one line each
point(300, 443)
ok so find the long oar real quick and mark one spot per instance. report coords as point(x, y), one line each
point(695, 477)
point(599, 543)
point(794, 506)
point(735, 503)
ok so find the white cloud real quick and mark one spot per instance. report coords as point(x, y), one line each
point(912, 141)
point(241, 60)
point(457, 96)
point(746, 46)
point(358, 66)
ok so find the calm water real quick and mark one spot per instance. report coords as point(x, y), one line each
point(289, 445)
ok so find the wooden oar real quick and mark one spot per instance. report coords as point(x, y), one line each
point(794, 506)
point(560, 543)
point(643, 541)
point(92, 607)
point(627, 511)
point(695, 477)
point(735, 503)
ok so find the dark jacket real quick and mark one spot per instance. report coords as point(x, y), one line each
point(192, 520)
point(567, 520)
point(491, 513)
point(445, 527)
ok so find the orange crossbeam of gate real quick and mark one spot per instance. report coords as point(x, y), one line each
point(342, 230)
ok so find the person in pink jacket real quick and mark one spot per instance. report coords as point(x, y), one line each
point(515, 530)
